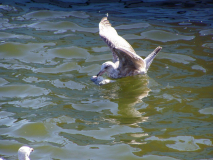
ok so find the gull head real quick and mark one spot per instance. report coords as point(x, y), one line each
point(107, 67)
point(24, 153)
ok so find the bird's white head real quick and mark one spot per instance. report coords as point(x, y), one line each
point(108, 67)
point(24, 153)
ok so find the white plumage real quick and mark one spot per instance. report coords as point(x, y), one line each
point(24, 153)
point(125, 61)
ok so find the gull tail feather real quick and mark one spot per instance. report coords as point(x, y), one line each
point(151, 57)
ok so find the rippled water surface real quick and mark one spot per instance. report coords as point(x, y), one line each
point(49, 51)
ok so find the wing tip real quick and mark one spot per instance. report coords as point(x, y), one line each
point(158, 49)
point(105, 21)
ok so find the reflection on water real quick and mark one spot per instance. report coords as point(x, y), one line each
point(128, 94)
point(49, 51)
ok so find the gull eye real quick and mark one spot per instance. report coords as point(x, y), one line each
point(106, 67)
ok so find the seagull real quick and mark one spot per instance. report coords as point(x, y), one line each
point(24, 153)
point(125, 60)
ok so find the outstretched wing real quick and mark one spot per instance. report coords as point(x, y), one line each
point(120, 48)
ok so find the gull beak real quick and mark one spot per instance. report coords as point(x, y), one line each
point(101, 72)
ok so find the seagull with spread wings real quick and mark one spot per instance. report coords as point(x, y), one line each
point(125, 61)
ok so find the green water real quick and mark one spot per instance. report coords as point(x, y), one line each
point(48, 52)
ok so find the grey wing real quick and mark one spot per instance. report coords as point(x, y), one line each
point(120, 48)
point(104, 29)
point(129, 60)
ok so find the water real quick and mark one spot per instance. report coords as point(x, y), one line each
point(49, 52)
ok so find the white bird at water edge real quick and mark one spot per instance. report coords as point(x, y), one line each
point(24, 153)
point(125, 60)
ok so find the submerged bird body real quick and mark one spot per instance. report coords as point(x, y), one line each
point(125, 61)
point(24, 153)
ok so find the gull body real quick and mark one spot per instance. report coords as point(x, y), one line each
point(125, 61)
point(24, 153)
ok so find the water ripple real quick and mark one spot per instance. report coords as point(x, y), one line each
point(22, 91)
point(49, 51)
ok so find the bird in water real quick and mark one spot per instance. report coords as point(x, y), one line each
point(24, 153)
point(125, 60)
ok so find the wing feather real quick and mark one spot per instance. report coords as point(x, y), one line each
point(120, 48)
